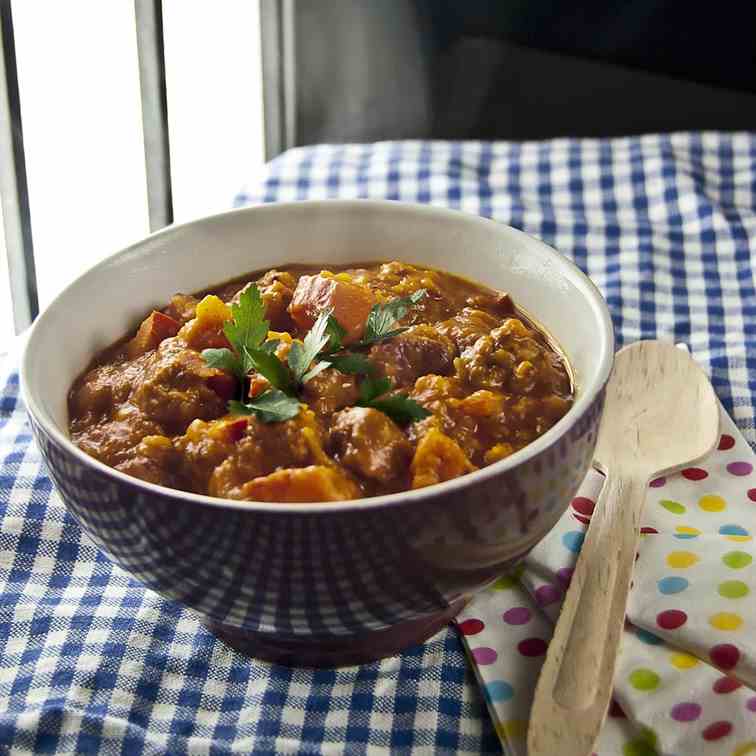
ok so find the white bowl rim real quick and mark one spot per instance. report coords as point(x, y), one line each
point(562, 427)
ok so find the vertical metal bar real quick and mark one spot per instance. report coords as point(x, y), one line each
point(272, 65)
point(13, 187)
point(277, 22)
point(288, 48)
point(151, 52)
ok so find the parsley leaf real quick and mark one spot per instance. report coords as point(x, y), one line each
point(271, 406)
point(371, 388)
point(224, 359)
point(381, 321)
point(248, 328)
point(302, 354)
point(349, 362)
point(321, 348)
point(269, 366)
point(316, 369)
point(246, 332)
point(400, 408)
point(335, 333)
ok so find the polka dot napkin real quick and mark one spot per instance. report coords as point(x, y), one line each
point(686, 675)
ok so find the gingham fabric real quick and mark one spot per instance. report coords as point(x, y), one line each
point(93, 663)
point(663, 224)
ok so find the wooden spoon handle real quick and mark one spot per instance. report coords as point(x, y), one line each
point(575, 685)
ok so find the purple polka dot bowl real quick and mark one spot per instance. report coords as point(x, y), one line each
point(323, 583)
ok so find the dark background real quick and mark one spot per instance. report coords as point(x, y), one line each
point(364, 70)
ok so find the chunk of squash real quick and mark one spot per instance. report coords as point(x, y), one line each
point(298, 484)
point(480, 404)
point(438, 458)
point(350, 302)
point(206, 330)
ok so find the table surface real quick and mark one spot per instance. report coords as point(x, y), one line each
point(93, 662)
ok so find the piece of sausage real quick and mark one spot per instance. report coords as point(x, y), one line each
point(156, 327)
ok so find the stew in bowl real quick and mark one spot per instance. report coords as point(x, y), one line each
point(301, 384)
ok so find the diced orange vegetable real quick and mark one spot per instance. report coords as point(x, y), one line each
point(257, 384)
point(350, 302)
point(206, 330)
point(498, 451)
point(312, 439)
point(481, 403)
point(284, 347)
point(212, 309)
point(282, 336)
point(313, 483)
point(438, 458)
point(229, 428)
point(156, 442)
point(156, 327)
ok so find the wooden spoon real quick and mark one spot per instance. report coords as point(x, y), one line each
point(660, 415)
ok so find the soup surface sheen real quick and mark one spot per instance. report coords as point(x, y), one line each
point(461, 380)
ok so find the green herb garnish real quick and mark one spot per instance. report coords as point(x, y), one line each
point(248, 327)
point(224, 359)
point(246, 332)
point(302, 355)
point(381, 321)
point(268, 365)
point(399, 407)
point(351, 363)
point(335, 333)
point(271, 406)
point(372, 388)
point(321, 348)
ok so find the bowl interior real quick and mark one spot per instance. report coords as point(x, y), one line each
point(112, 297)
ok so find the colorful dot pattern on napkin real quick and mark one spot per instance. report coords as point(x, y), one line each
point(686, 677)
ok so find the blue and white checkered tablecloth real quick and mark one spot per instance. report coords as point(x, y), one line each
point(92, 662)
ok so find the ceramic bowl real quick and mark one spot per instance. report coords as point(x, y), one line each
point(328, 583)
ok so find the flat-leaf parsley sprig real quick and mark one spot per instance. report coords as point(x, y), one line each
point(399, 407)
point(246, 331)
point(322, 347)
point(379, 326)
point(381, 321)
